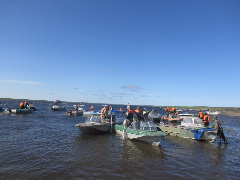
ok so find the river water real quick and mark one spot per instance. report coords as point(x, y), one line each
point(47, 145)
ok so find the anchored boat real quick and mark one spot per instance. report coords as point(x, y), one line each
point(98, 125)
point(18, 111)
point(191, 128)
point(141, 131)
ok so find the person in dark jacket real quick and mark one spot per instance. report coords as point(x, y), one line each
point(219, 130)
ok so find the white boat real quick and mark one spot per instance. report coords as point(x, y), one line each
point(141, 131)
point(213, 113)
point(58, 108)
point(77, 110)
point(190, 128)
point(97, 125)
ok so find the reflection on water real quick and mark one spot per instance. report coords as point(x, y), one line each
point(46, 144)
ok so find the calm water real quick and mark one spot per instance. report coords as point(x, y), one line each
point(47, 145)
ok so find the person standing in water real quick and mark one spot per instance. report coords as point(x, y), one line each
point(219, 130)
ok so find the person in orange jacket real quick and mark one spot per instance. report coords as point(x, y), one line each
point(206, 120)
point(21, 105)
point(200, 114)
point(168, 111)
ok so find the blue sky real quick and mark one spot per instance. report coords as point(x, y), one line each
point(142, 52)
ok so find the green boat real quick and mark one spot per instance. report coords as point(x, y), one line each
point(141, 131)
point(18, 111)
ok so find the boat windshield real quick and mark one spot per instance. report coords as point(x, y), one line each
point(93, 119)
point(144, 125)
point(192, 122)
point(154, 115)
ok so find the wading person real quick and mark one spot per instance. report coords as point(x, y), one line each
point(219, 130)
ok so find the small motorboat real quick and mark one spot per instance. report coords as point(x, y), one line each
point(18, 111)
point(142, 131)
point(98, 125)
point(77, 110)
point(213, 113)
point(56, 106)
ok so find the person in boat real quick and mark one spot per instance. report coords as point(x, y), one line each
point(104, 113)
point(26, 105)
point(139, 113)
point(21, 105)
point(129, 115)
point(219, 130)
point(154, 114)
point(173, 111)
point(121, 109)
point(168, 111)
point(91, 108)
point(200, 114)
point(206, 120)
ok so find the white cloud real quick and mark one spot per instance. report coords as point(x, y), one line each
point(22, 82)
point(131, 87)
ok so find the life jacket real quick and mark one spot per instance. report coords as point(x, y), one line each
point(120, 109)
point(173, 109)
point(21, 104)
point(167, 109)
point(137, 111)
point(201, 114)
point(130, 111)
point(91, 107)
point(206, 119)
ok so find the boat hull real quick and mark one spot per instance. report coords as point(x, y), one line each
point(146, 136)
point(91, 113)
point(187, 132)
point(19, 111)
point(58, 109)
point(74, 113)
point(96, 128)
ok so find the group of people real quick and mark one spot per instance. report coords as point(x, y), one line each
point(23, 105)
point(205, 117)
point(217, 126)
point(139, 114)
point(171, 111)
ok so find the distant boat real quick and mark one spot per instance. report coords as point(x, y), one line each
point(182, 115)
point(77, 110)
point(18, 111)
point(213, 113)
point(58, 108)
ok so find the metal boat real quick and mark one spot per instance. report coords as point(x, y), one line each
point(141, 131)
point(98, 125)
point(18, 111)
point(191, 128)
